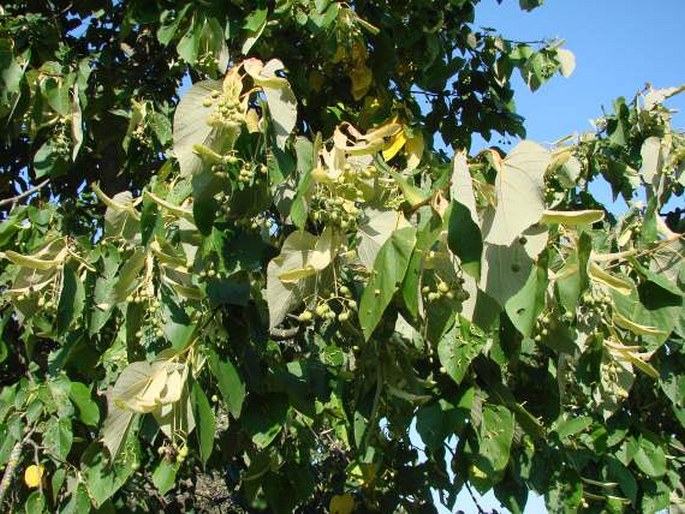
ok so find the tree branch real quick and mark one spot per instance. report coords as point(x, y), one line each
point(13, 200)
point(12, 463)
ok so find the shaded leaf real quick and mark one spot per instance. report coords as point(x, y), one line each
point(388, 273)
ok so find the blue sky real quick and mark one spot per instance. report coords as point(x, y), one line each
point(619, 46)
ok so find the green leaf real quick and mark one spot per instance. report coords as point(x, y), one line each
point(47, 162)
point(78, 502)
point(230, 384)
point(456, 353)
point(265, 419)
point(565, 494)
point(464, 238)
point(128, 275)
point(255, 23)
point(524, 307)
point(104, 477)
point(212, 39)
point(520, 189)
point(58, 437)
point(504, 270)
point(35, 503)
point(161, 126)
point(572, 279)
point(170, 23)
point(164, 476)
point(495, 435)
point(430, 227)
point(512, 493)
point(87, 409)
point(570, 426)
point(206, 424)
point(72, 299)
point(188, 46)
point(388, 273)
point(529, 5)
point(650, 457)
point(56, 92)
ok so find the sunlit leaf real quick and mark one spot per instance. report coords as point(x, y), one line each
point(520, 192)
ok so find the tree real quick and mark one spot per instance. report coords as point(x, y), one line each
point(237, 266)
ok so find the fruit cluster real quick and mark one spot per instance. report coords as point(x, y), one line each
point(229, 112)
point(61, 141)
point(442, 289)
point(337, 306)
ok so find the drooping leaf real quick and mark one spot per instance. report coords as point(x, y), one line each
point(388, 273)
point(88, 409)
point(71, 300)
point(279, 96)
point(191, 127)
point(504, 270)
point(464, 239)
point(375, 232)
point(520, 192)
point(283, 297)
point(206, 422)
point(230, 384)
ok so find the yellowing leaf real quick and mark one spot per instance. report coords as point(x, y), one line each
point(252, 121)
point(567, 61)
point(279, 96)
point(572, 217)
point(599, 275)
point(295, 275)
point(173, 209)
point(394, 146)
point(361, 77)
point(414, 150)
point(33, 475)
point(341, 504)
point(636, 328)
point(265, 75)
point(32, 262)
point(628, 354)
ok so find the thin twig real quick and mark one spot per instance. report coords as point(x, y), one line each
point(473, 497)
point(13, 200)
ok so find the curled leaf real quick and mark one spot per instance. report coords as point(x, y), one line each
point(618, 284)
point(572, 217)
